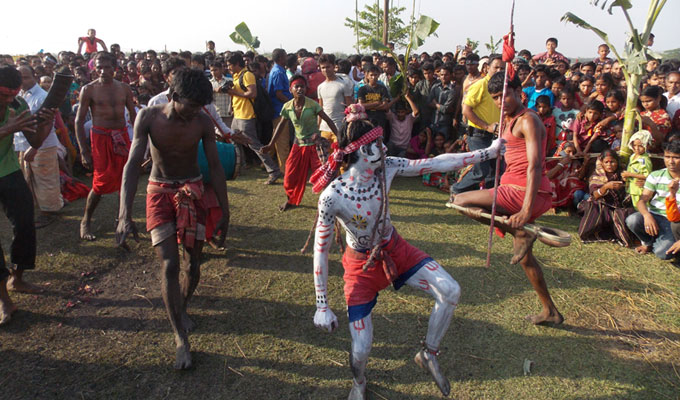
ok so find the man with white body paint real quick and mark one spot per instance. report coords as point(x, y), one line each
point(357, 199)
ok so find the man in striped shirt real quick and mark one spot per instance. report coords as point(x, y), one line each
point(651, 223)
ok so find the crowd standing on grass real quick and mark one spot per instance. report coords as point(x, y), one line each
point(286, 112)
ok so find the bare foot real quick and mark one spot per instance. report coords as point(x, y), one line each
point(642, 249)
point(554, 318)
point(429, 363)
point(6, 312)
point(358, 391)
point(21, 286)
point(187, 323)
point(521, 244)
point(286, 206)
point(85, 232)
point(183, 357)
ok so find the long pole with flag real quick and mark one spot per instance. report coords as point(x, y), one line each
point(508, 56)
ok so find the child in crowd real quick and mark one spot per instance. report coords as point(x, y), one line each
point(585, 89)
point(566, 177)
point(565, 115)
point(639, 166)
point(421, 145)
point(615, 113)
point(603, 84)
point(375, 99)
point(401, 126)
point(540, 75)
point(585, 137)
point(602, 52)
point(545, 112)
point(655, 119)
point(556, 87)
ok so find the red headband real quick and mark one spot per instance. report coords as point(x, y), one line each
point(299, 79)
point(325, 173)
point(5, 91)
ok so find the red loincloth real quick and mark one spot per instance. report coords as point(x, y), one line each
point(178, 203)
point(361, 286)
point(71, 188)
point(110, 148)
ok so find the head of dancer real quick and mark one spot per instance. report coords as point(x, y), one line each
point(513, 94)
point(353, 130)
point(190, 90)
point(104, 65)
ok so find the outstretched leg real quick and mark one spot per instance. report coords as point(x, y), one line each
point(85, 229)
point(533, 271)
point(433, 279)
point(362, 340)
point(189, 278)
point(168, 252)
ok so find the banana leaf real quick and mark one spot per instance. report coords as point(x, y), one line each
point(242, 35)
point(425, 27)
point(625, 4)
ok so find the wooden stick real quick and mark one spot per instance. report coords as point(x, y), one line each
point(501, 128)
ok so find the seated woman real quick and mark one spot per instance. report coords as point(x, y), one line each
point(420, 145)
point(605, 212)
point(567, 177)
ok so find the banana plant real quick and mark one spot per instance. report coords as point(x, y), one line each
point(492, 46)
point(633, 59)
point(424, 28)
point(242, 35)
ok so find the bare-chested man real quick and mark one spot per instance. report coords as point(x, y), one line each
point(357, 199)
point(524, 193)
point(175, 212)
point(107, 99)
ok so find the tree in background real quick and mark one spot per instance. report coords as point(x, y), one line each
point(633, 59)
point(368, 25)
point(492, 45)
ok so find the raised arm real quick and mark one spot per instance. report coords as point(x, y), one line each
point(444, 162)
point(323, 238)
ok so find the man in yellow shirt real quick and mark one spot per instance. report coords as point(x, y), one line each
point(482, 116)
point(244, 113)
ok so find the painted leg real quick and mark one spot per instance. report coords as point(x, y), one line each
point(533, 271)
point(85, 229)
point(168, 252)
point(362, 340)
point(189, 278)
point(434, 280)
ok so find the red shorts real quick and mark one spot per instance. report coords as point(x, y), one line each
point(362, 287)
point(511, 199)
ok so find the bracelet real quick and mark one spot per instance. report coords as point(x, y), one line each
point(599, 192)
point(560, 164)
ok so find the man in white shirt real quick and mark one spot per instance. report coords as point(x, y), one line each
point(673, 94)
point(334, 95)
point(40, 166)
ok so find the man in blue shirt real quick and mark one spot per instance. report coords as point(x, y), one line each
point(279, 93)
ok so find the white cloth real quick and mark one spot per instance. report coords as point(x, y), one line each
point(673, 104)
point(333, 94)
point(34, 97)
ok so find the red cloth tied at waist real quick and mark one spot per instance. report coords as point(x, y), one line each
point(119, 137)
point(383, 259)
point(179, 203)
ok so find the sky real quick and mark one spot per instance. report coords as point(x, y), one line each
point(291, 24)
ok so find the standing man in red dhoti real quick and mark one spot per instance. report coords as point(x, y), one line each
point(107, 154)
point(175, 209)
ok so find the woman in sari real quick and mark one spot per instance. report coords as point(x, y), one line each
point(605, 212)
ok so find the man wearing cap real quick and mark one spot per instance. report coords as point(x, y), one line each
point(472, 67)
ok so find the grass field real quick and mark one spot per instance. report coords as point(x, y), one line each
point(100, 331)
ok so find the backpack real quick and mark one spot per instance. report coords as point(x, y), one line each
point(262, 104)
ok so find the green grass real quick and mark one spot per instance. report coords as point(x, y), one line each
point(255, 305)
